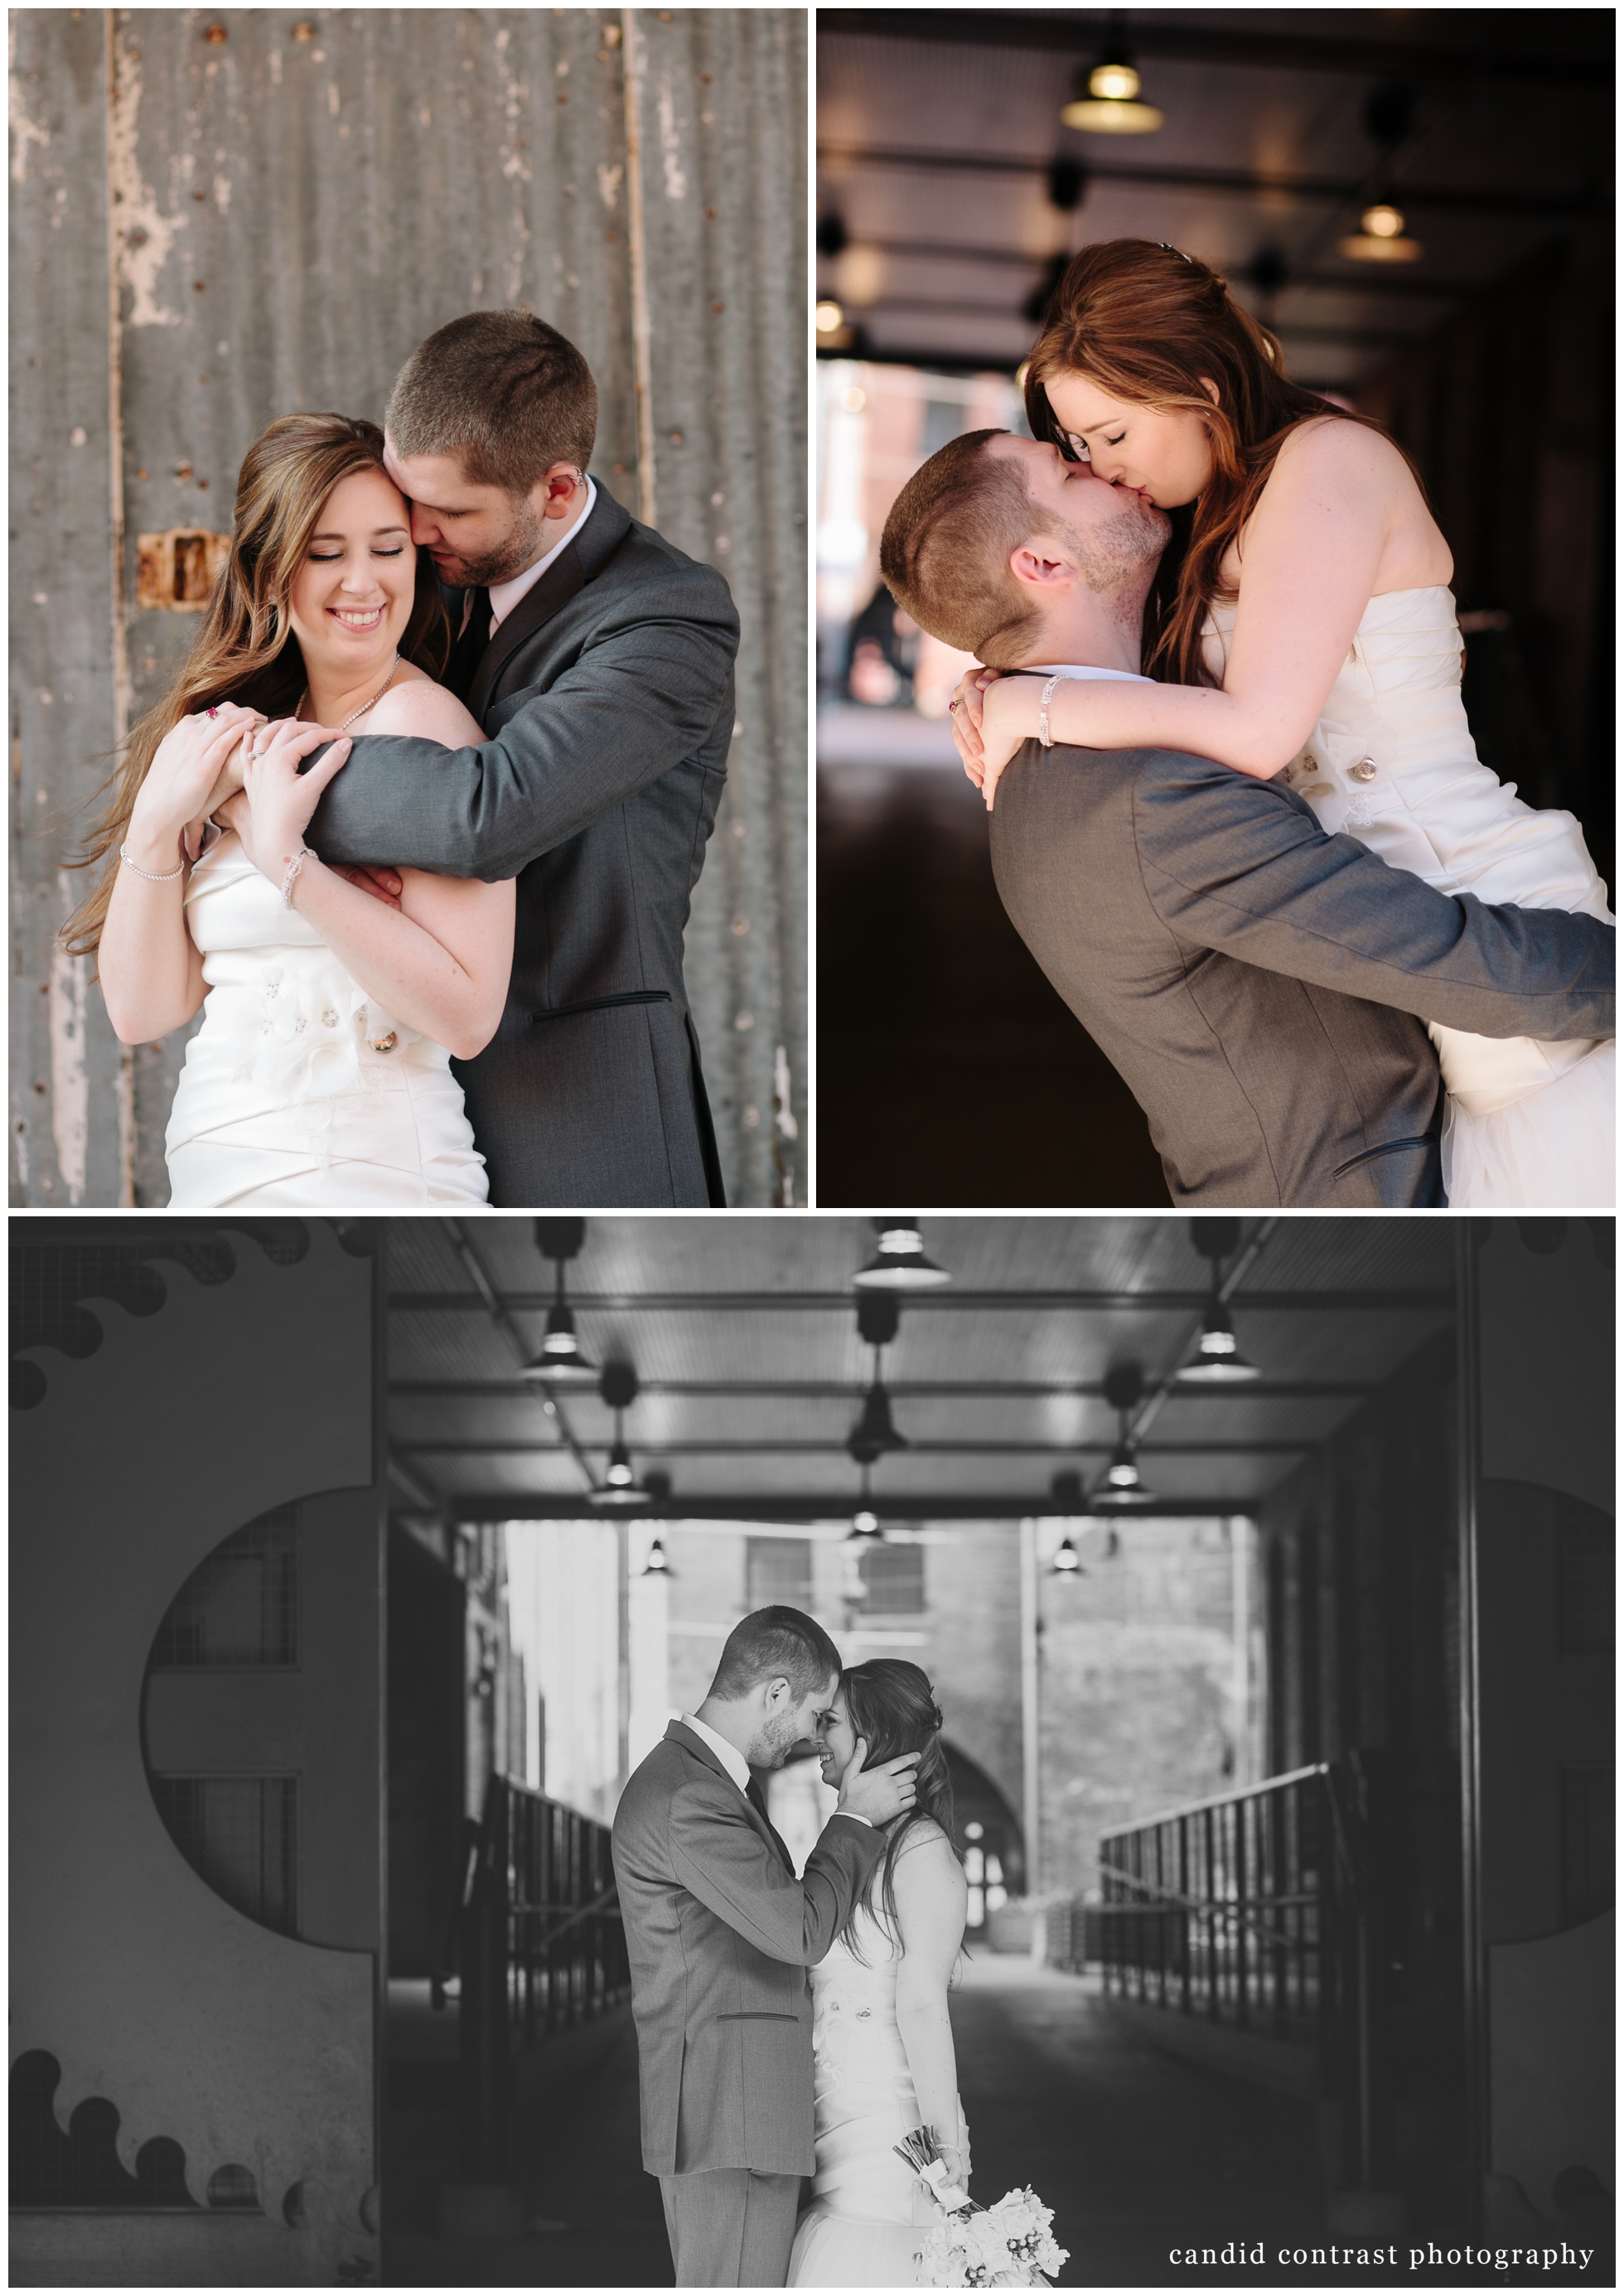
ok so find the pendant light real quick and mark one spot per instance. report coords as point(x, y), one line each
point(1217, 1360)
point(900, 1264)
point(563, 1362)
point(1124, 1486)
point(1104, 99)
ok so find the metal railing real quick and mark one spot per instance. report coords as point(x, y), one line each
point(540, 1946)
point(1252, 1910)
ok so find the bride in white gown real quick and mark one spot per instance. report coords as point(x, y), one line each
point(321, 1075)
point(1303, 617)
point(882, 2045)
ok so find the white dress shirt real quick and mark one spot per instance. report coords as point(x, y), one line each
point(732, 1761)
point(505, 596)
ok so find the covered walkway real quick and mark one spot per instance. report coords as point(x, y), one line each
point(1135, 2152)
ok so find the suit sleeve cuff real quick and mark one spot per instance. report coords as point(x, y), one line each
point(856, 1820)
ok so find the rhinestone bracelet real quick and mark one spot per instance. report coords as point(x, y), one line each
point(294, 866)
point(169, 879)
point(1044, 739)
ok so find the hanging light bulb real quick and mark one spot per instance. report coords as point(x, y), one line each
point(1124, 1486)
point(901, 1263)
point(1104, 100)
point(619, 1474)
point(563, 1362)
point(657, 1566)
point(1218, 1361)
point(1380, 238)
point(1066, 1559)
point(865, 1529)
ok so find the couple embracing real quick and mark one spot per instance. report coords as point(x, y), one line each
point(432, 786)
point(789, 2026)
point(1240, 820)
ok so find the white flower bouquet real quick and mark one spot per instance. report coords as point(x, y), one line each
point(1009, 2245)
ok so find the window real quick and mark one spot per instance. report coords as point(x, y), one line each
point(241, 1606)
point(241, 1834)
point(893, 1581)
point(778, 1570)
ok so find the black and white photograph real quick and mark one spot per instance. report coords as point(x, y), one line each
point(831, 1752)
point(1215, 579)
point(408, 448)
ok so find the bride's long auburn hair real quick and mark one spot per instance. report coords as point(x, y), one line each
point(892, 1705)
point(246, 651)
point(1147, 324)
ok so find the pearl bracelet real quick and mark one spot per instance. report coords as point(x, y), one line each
point(167, 879)
point(294, 866)
point(1044, 739)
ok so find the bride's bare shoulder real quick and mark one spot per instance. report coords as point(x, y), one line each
point(1328, 446)
point(925, 1839)
point(415, 704)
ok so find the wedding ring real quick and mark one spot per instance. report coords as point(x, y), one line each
point(214, 713)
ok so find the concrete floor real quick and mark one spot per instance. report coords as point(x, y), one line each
point(1138, 2153)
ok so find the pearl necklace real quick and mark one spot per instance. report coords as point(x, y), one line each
point(365, 706)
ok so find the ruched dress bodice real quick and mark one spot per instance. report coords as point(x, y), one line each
point(298, 1090)
point(869, 2211)
point(1391, 761)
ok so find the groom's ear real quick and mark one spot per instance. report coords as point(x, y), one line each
point(1038, 563)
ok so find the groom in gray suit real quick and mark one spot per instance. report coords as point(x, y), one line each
point(1261, 988)
point(599, 660)
point(721, 1933)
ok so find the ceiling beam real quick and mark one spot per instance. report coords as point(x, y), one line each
point(1245, 183)
point(1012, 1507)
point(1386, 1299)
point(852, 1390)
point(1372, 279)
point(1153, 33)
point(773, 1446)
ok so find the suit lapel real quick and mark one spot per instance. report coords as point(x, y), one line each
point(556, 588)
point(685, 1737)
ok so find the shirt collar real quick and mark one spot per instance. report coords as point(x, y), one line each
point(1073, 669)
point(505, 596)
point(732, 1761)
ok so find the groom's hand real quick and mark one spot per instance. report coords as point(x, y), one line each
point(880, 1794)
point(376, 878)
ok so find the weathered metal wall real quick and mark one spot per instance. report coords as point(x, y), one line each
point(220, 217)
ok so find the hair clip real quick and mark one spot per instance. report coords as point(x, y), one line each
point(1168, 249)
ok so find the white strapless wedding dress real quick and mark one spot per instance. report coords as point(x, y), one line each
point(1391, 762)
point(869, 2213)
point(285, 1097)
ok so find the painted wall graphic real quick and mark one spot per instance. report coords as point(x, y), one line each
point(251, 2049)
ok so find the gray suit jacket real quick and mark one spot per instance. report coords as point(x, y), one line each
point(1260, 986)
point(721, 1935)
point(607, 694)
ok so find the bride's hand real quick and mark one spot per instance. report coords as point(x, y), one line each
point(964, 711)
point(185, 767)
point(281, 800)
point(1009, 718)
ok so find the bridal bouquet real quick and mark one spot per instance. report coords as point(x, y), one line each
point(1009, 2245)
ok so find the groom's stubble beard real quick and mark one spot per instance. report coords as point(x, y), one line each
point(521, 546)
point(1123, 549)
point(773, 1742)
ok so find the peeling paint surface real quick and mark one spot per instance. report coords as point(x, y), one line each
point(273, 253)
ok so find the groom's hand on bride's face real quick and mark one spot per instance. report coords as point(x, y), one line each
point(881, 1793)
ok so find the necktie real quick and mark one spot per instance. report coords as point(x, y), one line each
point(470, 646)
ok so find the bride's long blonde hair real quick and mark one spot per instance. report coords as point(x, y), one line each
point(246, 651)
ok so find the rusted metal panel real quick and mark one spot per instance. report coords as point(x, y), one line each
point(288, 204)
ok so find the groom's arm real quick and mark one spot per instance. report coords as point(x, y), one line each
point(646, 692)
point(718, 1854)
point(1242, 866)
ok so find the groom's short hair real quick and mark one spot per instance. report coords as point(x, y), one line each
point(504, 392)
point(777, 1641)
point(947, 546)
